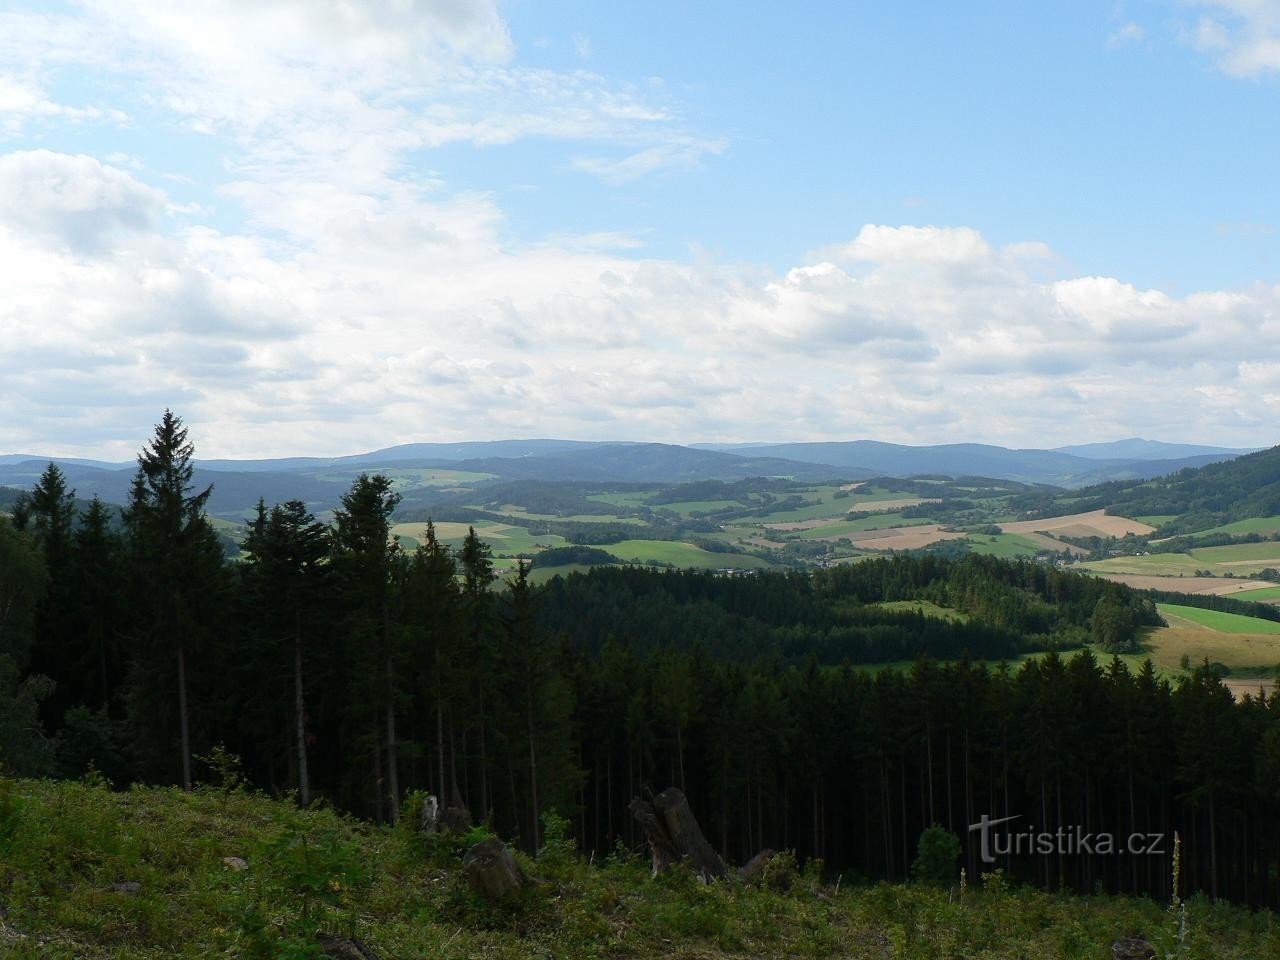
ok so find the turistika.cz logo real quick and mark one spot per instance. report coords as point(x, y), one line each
point(1065, 841)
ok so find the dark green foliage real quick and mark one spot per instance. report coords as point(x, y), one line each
point(564, 556)
point(937, 856)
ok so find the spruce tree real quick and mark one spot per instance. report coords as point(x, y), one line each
point(176, 560)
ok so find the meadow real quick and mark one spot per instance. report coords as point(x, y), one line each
point(144, 874)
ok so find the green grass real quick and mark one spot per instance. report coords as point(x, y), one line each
point(926, 607)
point(1157, 520)
point(1009, 546)
point(679, 554)
point(1259, 525)
point(842, 528)
point(689, 507)
point(1219, 620)
point(1262, 594)
point(66, 844)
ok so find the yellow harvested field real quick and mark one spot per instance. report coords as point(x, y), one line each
point(1095, 523)
point(898, 538)
point(1240, 688)
point(869, 506)
point(1211, 586)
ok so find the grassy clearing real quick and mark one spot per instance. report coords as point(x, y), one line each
point(1218, 620)
point(926, 607)
point(679, 554)
point(1158, 520)
point(66, 844)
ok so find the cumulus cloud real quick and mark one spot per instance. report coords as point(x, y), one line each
point(361, 302)
point(72, 201)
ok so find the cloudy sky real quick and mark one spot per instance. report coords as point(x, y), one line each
point(317, 227)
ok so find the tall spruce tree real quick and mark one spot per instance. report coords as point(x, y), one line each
point(364, 555)
point(287, 552)
point(177, 562)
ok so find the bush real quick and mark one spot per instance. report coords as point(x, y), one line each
point(936, 857)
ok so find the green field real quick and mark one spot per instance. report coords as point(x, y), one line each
point(690, 507)
point(516, 512)
point(1157, 520)
point(679, 554)
point(842, 528)
point(1218, 620)
point(1010, 546)
point(1260, 525)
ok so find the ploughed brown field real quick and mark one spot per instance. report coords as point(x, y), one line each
point(1095, 523)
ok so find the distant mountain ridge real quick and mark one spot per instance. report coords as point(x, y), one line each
point(320, 481)
point(1135, 448)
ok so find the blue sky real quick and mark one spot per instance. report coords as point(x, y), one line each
point(316, 227)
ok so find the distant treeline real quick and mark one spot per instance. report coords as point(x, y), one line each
point(336, 665)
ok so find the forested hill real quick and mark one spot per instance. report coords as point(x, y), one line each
point(1201, 498)
point(876, 611)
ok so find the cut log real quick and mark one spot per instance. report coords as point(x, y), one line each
point(686, 835)
point(492, 871)
point(661, 850)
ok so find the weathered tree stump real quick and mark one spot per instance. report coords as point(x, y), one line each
point(1132, 948)
point(492, 871)
point(754, 869)
point(673, 834)
point(429, 816)
point(455, 818)
point(661, 849)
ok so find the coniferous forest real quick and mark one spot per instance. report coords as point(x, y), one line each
point(823, 711)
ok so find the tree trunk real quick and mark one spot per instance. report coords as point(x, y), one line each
point(183, 719)
point(533, 768)
point(300, 720)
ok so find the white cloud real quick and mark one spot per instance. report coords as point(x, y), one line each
point(1126, 34)
point(411, 320)
point(1242, 35)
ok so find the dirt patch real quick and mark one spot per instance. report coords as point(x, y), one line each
point(1095, 523)
point(1207, 586)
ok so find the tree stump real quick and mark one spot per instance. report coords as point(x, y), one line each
point(684, 831)
point(492, 871)
point(344, 948)
point(661, 850)
point(754, 869)
point(455, 819)
point(673, 834)
point(1132, 948)
point(429, 818)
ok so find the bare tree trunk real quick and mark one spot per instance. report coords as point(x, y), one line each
point(533, 768)
point(393, 773)
point(183, 719)
point(300, 720)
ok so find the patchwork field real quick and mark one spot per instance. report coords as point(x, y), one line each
point(1239, 559)
point(1260, 590)
point(902, 538)
point(1216, 620)
point(1095, 523)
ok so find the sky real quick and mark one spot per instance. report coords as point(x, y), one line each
point(316, 228)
